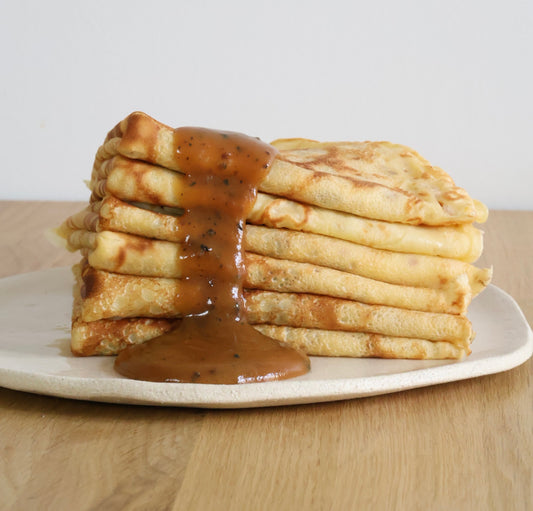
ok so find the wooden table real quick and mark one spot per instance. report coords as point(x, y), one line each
point(463, 445)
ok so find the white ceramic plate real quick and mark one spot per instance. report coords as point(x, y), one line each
point(35, 357)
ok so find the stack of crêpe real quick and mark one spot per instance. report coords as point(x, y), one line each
point(356, 249)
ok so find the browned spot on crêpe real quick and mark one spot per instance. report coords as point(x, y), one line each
point(461, 301)
point(133, 244)
point(91, 284)
point(126, 330)
point(143, 188)
point(330, 157)
point(140, 131)
point(324, 314)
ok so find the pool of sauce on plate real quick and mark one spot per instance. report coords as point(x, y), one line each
point(222, 172)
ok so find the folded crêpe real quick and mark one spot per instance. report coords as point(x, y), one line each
point(152, 187)
point(358, 249)
point(150, 249)
point(376, 180)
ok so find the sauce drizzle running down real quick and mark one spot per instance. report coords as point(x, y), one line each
point(222, 172)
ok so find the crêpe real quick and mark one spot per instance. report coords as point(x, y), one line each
point(147, 184)
point(376, 180)
point(111, 250)
point(334, 343)
point(364, 324)
point(133, 266)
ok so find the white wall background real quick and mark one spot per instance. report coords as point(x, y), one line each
point(452, 79)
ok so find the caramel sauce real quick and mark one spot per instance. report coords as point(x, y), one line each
point(222, 172)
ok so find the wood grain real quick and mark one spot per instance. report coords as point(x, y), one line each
point(23, 244)
point(464, 445)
